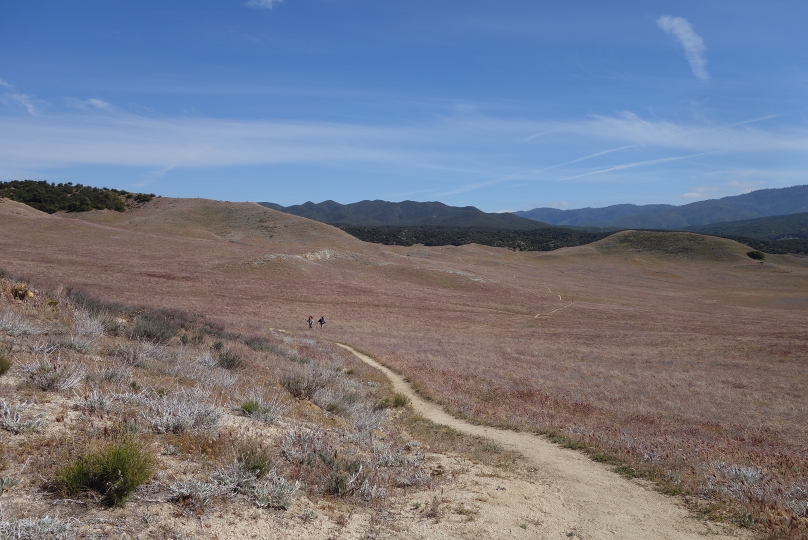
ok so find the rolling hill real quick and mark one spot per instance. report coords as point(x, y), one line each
point(761, 203)
point(407, 213)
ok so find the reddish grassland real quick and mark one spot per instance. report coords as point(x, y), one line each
point(678, 358)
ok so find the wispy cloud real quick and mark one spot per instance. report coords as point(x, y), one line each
point(5, 84)
point(690, 40)
point(89, 104)
point(263, 4)
point(23, 100)
point(635, 164)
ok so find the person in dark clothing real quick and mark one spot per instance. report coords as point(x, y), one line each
point(322, 322)
point(311, 321)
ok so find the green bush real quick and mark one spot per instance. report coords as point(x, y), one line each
point(398, 401)
point(255, 459)
point(230, 360)
point(757, 255)
point(114, 472)
point(5, 362)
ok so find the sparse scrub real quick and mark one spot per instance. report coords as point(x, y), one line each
point(275, 492)
point(134, 353)
point(86, 325)
point(45, 528)
point(116, 374)
point(180, 412)
point(113, 472)
point(94, 401)
point(254, 458)
point(11, 418)
point(18, 325)
point(8, 483)
point(260, 408)
point(302, 386)
point(47, 374)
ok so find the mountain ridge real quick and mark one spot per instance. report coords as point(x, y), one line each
point(378, 213)
point(756, 204)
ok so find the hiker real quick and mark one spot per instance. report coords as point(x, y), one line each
point(322, 322)
point(311, 321)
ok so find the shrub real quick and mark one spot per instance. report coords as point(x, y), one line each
point(11, 418)
point(399, 400)
point(179, 413)
point(254, 458)
point(159, 326)
point(114, 472)
point(229, 360)
point(86, 325)
point(47, 374)
point(303, 386)
point(276, 492)
point(260, 409)
point(757, 255)
point(5, 362)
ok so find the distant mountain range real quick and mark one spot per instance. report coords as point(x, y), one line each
point(775, 228)
point(761, 203)
point(406, 213)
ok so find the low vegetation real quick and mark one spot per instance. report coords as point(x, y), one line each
point(113, 472)
point(51, 198)
point(544, 239)
point(107, 405)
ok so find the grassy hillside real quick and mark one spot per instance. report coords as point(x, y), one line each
point(546, 239)
point(407, 213)
point(761, 203)
point(52, 198)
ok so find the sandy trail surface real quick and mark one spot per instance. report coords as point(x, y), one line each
point(581, 495)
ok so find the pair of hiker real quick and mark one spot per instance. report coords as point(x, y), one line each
point(311, 321)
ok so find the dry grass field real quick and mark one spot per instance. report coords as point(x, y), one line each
point(673, 356)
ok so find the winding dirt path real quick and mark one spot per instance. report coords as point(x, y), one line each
point(580, 494)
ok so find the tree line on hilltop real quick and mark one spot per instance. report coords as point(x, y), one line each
point(50, 197)
point(544, 239)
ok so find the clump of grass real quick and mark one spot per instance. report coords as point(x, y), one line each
point(399, 400)
point(254, 458)
point(757, 255)
point(113, 472)
point(303, 386)
point(229, 360)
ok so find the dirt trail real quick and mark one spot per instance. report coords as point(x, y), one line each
point(580, 495)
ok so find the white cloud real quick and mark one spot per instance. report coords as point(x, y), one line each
point(5, 84)
point(690, 40)
point(263, 4)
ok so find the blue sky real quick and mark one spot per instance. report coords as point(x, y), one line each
point(505, 105)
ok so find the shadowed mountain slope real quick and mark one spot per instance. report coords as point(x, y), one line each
point(761, 203)
point(406, 213)
point(788, 227)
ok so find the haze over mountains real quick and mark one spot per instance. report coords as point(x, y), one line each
point(761, 203)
